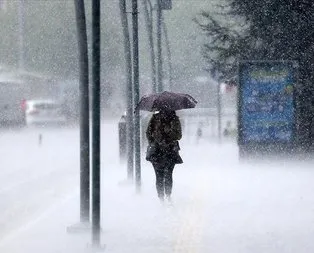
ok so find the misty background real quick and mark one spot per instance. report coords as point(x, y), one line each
point(50, 45)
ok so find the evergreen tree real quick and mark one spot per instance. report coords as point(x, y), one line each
point(265, 30)
point(260, 30)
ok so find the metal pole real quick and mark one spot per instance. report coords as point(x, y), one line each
point(84, 111)
point(219, 110)
point(129, 93)
point(159, 48)
point(149, 28)
point(21, 14)
point(167, 41)
point(137, 137)
point(96, 122)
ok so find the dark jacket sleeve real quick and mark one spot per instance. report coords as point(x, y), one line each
point(150, 130)
point(176, 130)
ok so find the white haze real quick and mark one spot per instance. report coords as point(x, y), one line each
point(219, 204)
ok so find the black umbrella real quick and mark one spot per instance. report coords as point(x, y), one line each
point(166, 101)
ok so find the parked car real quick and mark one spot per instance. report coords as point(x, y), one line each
point(11, 103)
point(39, 112)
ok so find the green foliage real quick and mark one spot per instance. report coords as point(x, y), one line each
point(259, 30)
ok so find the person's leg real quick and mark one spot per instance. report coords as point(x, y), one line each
point(168, 179)
point(160, 186)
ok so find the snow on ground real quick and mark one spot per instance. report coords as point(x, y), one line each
point(219, 204)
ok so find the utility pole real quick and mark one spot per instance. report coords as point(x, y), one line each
point(84, 112)
point(129, 91)
point(96, 123)
point(137, 137)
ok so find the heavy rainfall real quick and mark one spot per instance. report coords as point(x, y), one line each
point(156, 126)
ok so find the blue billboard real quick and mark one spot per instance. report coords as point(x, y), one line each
point(266, 102)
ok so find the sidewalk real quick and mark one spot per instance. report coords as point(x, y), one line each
point(219, 206)
point(129, 220)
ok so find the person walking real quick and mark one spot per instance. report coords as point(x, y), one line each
point(163, 134)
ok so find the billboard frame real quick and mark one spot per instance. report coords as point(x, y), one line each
point(265, 144)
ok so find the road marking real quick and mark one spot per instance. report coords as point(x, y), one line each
point(190, 233)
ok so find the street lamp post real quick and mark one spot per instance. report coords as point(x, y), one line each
point(96, 122)
point(137, 137)
point(84, 112)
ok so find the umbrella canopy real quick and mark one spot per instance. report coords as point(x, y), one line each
point(166, 101)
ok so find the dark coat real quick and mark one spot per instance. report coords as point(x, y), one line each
point(163, 133)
